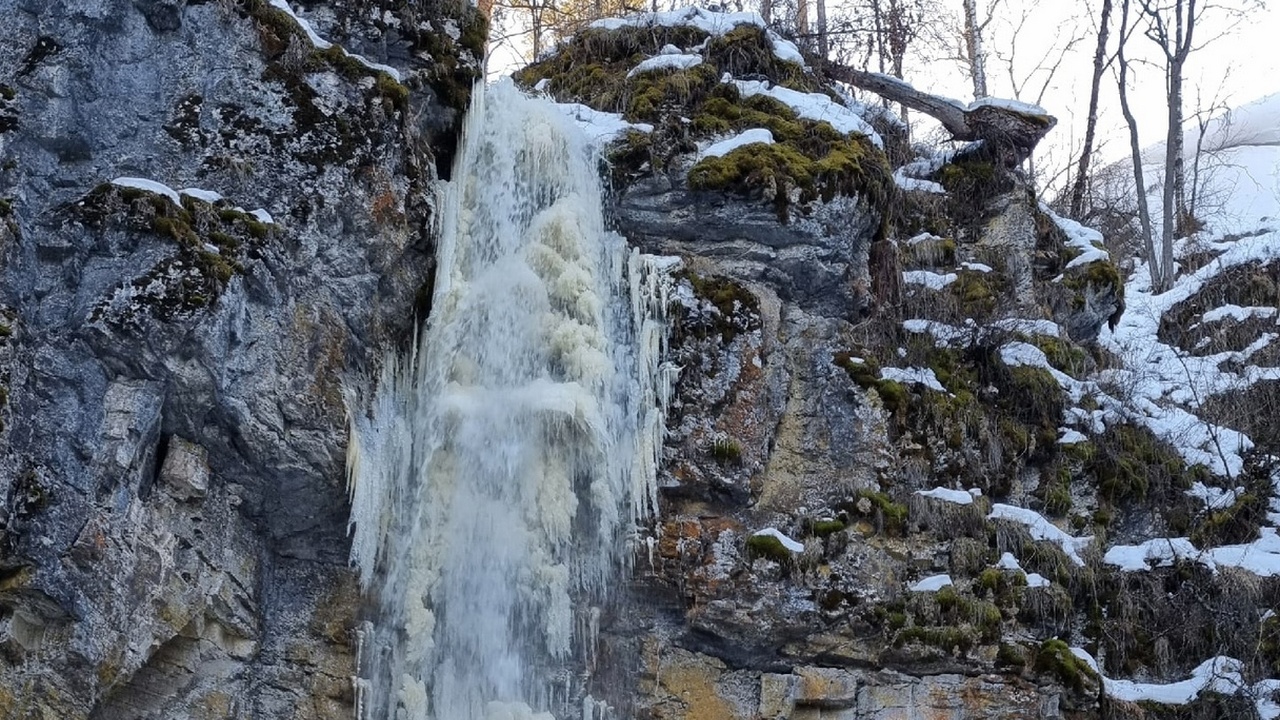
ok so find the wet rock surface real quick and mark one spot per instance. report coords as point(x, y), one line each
point(172, 499)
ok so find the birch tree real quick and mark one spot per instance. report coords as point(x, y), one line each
point(973, 29)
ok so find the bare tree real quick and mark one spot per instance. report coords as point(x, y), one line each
point(521, 21)
point(1161, 264)
point(1031, 82)
point(1091, 122)
point(1171, 25)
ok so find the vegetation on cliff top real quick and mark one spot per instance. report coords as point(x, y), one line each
point(809, 160)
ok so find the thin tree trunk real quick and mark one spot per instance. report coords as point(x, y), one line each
point(766, 10)
point(822, 29)
point(1202, 123)
point(1172, 210)
point(535, 28)
point(1154, 261)
point(1182, 213)
point(973, 43)
point(802, 18)
point(1091, 125)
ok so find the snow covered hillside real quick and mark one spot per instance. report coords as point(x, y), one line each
point(1238, 183)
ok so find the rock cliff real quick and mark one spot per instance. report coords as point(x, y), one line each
point(172, 501)
point(891, 474)
point(910, 469)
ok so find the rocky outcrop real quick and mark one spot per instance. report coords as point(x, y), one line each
point(172, 501)
point(882, 500)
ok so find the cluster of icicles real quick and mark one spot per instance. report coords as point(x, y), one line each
point(499, 472)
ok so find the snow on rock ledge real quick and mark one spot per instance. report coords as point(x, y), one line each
point(712, 23)
point(665, 62)
point(747, 137)
point(811, 106)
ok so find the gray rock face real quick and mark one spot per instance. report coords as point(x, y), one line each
point(172, 500)
point(770, 427)
point(818, 260)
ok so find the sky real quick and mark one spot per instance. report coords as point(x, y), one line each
point(1239, 63)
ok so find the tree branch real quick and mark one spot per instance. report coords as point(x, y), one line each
point(1012, 133)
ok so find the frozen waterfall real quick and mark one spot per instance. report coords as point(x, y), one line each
point(498, 475)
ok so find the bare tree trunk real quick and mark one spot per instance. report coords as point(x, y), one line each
point(821, 6)
point(878, 39)
point(973, 46)
point(802, 18)
point(1176, 64)
point(1203, 118)
point(1091, 125)
point(1154, 261)
point(535, 27)
point(766, 10)
point(1173, 183)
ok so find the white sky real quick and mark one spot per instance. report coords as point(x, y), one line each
point(1232, 70)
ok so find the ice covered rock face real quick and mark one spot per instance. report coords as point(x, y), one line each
point(172, 505)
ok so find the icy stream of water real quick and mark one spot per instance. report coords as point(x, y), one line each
point(499, 473)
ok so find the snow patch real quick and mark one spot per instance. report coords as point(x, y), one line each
point(1071, 437)
point(600, 127)
point(912, 375)
point(1027, 326)
point(665, 62)
point(746, 137)
point(150, 186)
point(1260, 557)
point(931, 280)
point(792, 545)
point(1023, 108)
point(1217, 675)
point(712, 23)
point(1215, 498)
point(960, 497)
point(933, 583)
point(322, 44)
point(1085, 239)
point(208, 196)
point(942, 333)
point(812, 106)
point(1237, 313)
point(1042, 529)
point(909, 183)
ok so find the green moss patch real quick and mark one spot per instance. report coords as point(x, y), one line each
point(888, 516)
point(746, 50)
point(769, 548)
point(809, 160)
point(972, 180)
point(785, 174)
point(1056, 659)
point(726, 451)
point(1129, 462)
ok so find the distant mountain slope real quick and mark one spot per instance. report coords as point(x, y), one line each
point(1239, 168)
